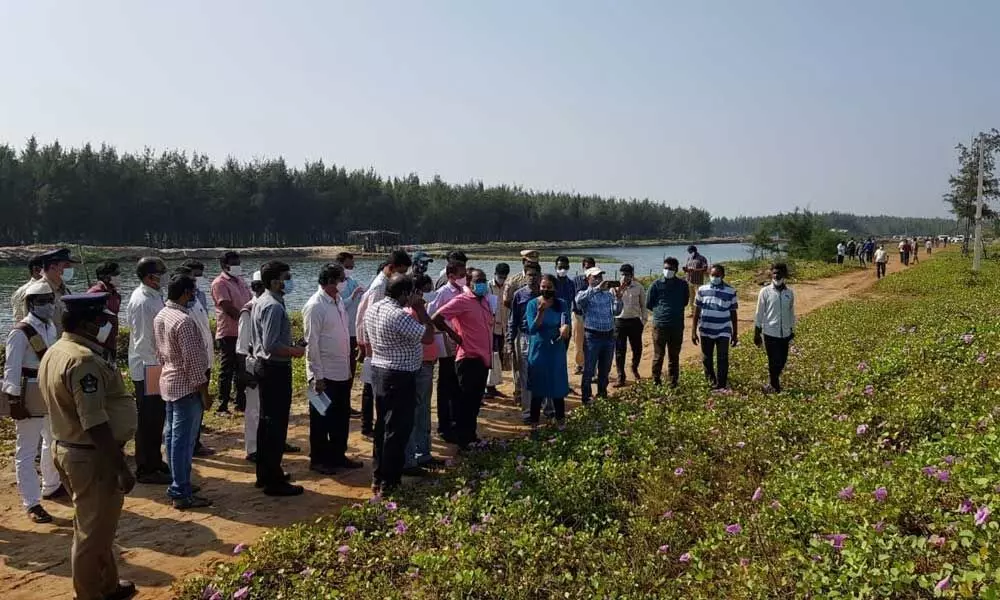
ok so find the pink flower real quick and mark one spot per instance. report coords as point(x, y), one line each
point(744, 562)
point(686, 557)
point(943, 584)
point(775, 505)
point(740, 444)
point(880, 494)
point(209, 592)
point(965, 507)
point(664, 549)
point(400, 527)
point(862, 429)
point(936, 540)
point(241, 593)
point(928, 471)
point(943, 476)
point(516, 485)
point(869, 390)
point(837, 540)
point(350, 530)
point(981, 359)
point(967, 338)
point(247, 575)
point(375, 499)
point(445, 520)
point(949, 460)
point(679, 471)
point(343, 550)
point(391, 506)
point(734, 529)
point(847, 493)
point(239, 549)
point(862, 366)
point(879, 527)
point(982, 515)
point(757, 495)
point(667, 515)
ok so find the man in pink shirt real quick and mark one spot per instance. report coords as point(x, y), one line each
point(468, 320)
point(229, 294)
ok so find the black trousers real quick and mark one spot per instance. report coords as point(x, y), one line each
point(880, 270)
point(367, 408)
point(777, 357)
point(231, 365)
point(328, 433)
point(710, 347)
point(151, 412)
point(471, 376)
point(667, 340)
point(628, 332)
point(395, 403)
point(558, 408)
point(447, 394)
point(275, 383)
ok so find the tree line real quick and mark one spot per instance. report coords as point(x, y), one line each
point(879, 226)
point(49, 193)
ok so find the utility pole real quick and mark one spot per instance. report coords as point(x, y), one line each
point(977, 251)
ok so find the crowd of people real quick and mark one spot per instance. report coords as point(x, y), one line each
point(869, 251)
point(68, 397)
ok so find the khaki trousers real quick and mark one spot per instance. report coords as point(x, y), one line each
point(93, 485)
point(578, 339)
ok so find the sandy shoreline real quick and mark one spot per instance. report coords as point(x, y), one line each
point(18, 255)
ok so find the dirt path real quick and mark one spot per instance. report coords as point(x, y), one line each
point(159, 545)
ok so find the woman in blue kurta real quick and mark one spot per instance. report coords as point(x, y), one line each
point(548, 331)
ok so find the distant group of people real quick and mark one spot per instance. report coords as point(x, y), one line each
point(67, 395)
point(869, 252)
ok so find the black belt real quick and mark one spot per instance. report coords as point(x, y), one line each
point(82, 446)
point(30, 373)
point(609, 333)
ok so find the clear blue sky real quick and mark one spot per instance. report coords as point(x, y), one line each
point(739, 106)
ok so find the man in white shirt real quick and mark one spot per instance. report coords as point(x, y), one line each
point(328, 371)
point(144, 304)
point(26, 344)
point(774, 323)
point(881, 260)
point(17, 298)
point(251, 415)
point(841, 251)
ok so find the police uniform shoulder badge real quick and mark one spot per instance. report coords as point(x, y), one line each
point(88, 383)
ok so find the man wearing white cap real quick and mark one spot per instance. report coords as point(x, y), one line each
point(518, 280)
point(26, 344)
point(599, 306)
point(252, 409)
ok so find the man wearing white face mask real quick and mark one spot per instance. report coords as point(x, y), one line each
point(229, 294)
point(774, 324)
point(144, 304)
point(26, 344)
point(57, 270)
point(667, 299)
point(351, 296)
point(109, 280)
point(716, 326)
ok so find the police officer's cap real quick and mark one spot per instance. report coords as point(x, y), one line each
point(56, 256)
point(92, 304)
point(38, 288)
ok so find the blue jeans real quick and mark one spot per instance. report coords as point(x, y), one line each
point(598, 353)
point(418, 448)
point(183, 421)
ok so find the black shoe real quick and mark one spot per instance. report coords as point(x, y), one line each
point(252, 457)
point(203, 451)
point(322, 469)
point(657, 381)
point(447, 437)
point(635, 373)
point(347, 463)
point(417, 471)
point(60, 492)
point(433, 463)
point(124, 591)
point(155, 478)
point(222, 410)
point(164, 468)
point(292, 449)
point(355, 414)
point(195, 489)
point(287, 477)
point(39, 515)
point(192, 501)
point(284, 489)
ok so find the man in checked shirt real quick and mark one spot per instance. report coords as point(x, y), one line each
point(180, 348)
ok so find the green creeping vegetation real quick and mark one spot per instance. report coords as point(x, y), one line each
point(757, 272)
point(874, 476)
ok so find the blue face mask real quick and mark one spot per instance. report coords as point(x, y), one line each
point(480, 288)
point(189, 304)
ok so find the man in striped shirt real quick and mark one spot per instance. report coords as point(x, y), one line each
point(715, 325)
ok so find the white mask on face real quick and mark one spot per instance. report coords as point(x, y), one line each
point(341, 286)
point(200, 282)
point(348, 272)
point(669, 273)
point(116, 281)
point(104, 332)
point(235, 270)
point(461, 282)
point(288, 286)
point(67, 274)
point(562, 272)
point(715, 280)
point(778, 282)
point(44, 312)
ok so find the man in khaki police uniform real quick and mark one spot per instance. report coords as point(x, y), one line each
point(92, 418)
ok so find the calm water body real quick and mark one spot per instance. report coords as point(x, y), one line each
point(646, 260)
